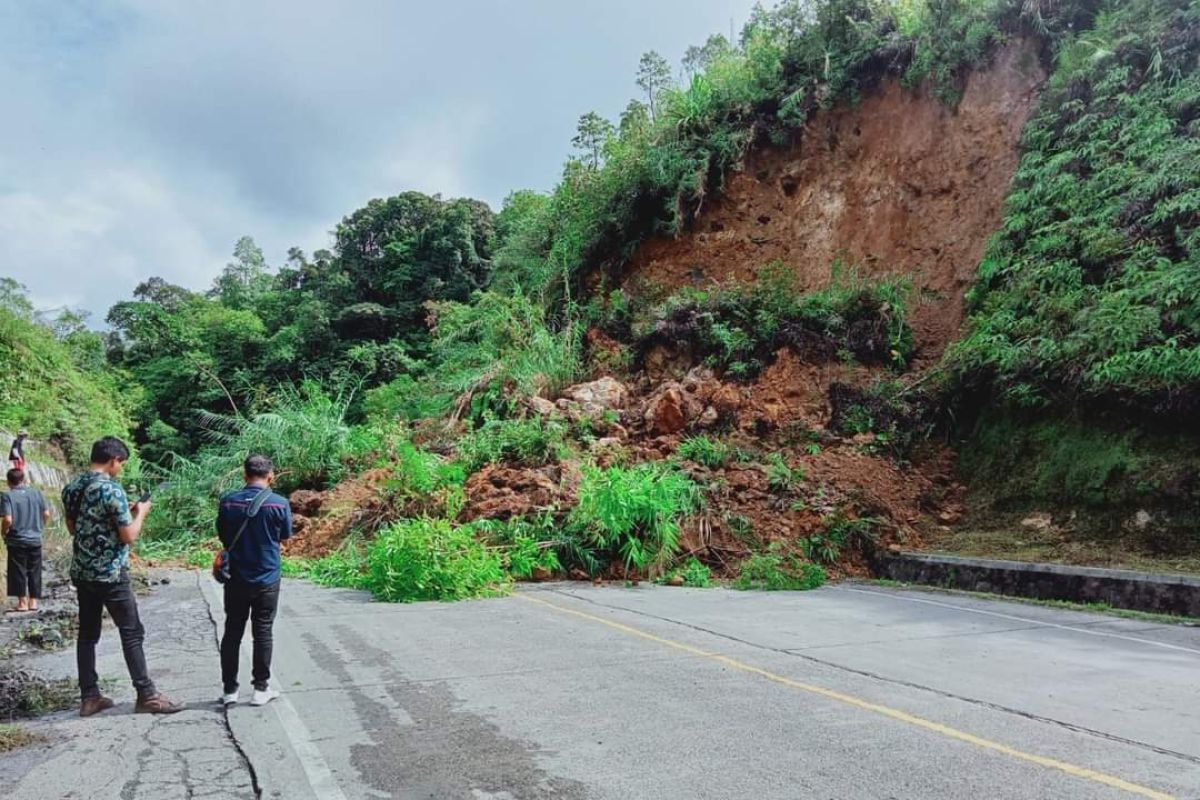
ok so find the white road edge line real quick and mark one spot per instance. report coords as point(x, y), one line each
point(316, 770)
point(1014, 617)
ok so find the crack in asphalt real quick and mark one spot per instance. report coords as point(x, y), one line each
point(224, 712)
point(893, 681)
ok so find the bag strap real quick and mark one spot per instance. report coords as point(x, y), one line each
point(251, 513)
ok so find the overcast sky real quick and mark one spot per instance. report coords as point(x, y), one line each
point(143, 137)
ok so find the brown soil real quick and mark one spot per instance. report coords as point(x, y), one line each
point(499, 491)
point(359, 502)
point(900, 185)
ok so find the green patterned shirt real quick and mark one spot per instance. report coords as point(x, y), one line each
point(99, 508)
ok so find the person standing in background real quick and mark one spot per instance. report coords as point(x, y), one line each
point(23, 517)
point(16, 453)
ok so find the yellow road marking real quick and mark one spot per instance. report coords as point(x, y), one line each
point(866, 705)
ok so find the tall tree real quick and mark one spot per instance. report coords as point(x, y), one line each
point(245, 278)
point(698, 58)
point(635, 120)
point(591, 135)
point(653, 75)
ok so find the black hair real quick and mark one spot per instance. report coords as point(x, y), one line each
point(108, 448)
point(258, 466)
point(16, 477)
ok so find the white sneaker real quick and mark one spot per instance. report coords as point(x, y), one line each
point(229, 699)
point(263, 696)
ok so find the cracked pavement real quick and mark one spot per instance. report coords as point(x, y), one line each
point(572, 691)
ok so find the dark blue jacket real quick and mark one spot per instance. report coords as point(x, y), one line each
point(254, 558)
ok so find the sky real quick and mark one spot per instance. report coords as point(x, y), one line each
point(143, 137)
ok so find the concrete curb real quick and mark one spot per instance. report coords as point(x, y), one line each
point(1138, 591)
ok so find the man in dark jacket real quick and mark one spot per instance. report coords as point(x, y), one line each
point(251, 523)
point(23, 515)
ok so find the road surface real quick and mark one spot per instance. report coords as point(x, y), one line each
point(572, 691)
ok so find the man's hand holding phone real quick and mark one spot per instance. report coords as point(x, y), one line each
point(143, 504)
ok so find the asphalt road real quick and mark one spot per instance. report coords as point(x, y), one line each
point(570, 691)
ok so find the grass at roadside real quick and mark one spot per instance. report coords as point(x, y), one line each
point(14, 736)
point(1067, 605)
point(1009, 540)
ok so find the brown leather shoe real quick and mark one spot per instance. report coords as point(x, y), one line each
point(94, 705)
point(157, 704)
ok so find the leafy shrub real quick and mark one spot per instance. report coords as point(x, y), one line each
point(526, 543)
point(740, 327)
point(778, 570)
point(432, 559)
point(896, 416)
point(694, 573)
point(781, 478)
point(839, 532)
point(635, 512)
point(498, 350)
point(345, 567)
point(712, 453)
point(531, 442)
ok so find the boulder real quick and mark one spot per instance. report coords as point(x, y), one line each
point(598, 396)
point(665, 413)
point(542, 406)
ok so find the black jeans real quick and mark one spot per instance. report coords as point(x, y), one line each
point(25, 571)
point(122, 607)
point(258, 603)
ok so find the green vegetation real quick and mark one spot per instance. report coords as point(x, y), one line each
point(839, 532)
point(1090, 287)
point(634, 513)
point(781, 478)
point(740, 327)
point(777, 570)
point(531, 442)
point(56, 384)
point(694, 574)
point(432, 559)
point(711, 453)
point(14, 736)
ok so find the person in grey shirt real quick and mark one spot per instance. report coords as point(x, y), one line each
point(23, 516)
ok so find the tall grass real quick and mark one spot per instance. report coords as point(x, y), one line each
point(304, 432)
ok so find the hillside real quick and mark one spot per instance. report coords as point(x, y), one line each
point(875, 272)
point(56, 384)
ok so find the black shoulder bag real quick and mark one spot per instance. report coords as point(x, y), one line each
point(220, 567)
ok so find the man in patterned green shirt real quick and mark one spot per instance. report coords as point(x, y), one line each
point(102, 528)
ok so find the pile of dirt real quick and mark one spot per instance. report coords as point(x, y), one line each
point(323, 520)
point(502, 492)
point(899, 184)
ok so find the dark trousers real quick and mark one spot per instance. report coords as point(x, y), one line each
point(258, 603)
point(122, 607)
point(25, 571)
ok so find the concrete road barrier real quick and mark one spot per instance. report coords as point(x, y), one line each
point(1139, 591)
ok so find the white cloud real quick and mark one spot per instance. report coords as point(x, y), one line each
point(151, 134)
